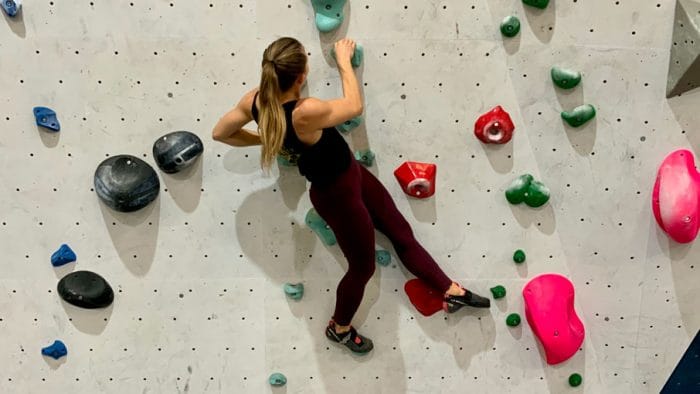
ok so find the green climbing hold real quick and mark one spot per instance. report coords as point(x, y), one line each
point(329, 14)
point(365, 157)
point(513, 320)
point(579, 115)
point(319, 226)
point(575, 380)
point(357, 56)
point(382, 257)
point(349, 124)
point(519, 256)
point(564, 78)
point(510, 26)
point(498, 292)
point(277, 379)
point(526, 189)
point(542, 4)
point(294, 290)
point(284, 162)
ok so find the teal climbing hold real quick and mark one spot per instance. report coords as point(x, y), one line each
point(542, 4)
point(519, 256)
point(510, 26)
point(277, 379)
point(382, 257)
point(357, 56)
point(526, 189)
point(579, 115)
point(513, 320)
point(365, 157)
point(349, 124)
point(575, 380)
point(294, 290)
point(329, 14)
point(565, 78)
point(498, 292)
point(319, 226)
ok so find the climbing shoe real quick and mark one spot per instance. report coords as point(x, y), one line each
point(454, 303)
point(351, 339)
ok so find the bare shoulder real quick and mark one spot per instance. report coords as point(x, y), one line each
point(246, 102)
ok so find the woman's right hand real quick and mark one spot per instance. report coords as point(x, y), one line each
point(344, 50)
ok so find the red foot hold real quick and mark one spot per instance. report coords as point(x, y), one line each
point(417, 179)
point(426, 299)
point(494, 127)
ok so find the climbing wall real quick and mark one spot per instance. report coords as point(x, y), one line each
point(198, 274)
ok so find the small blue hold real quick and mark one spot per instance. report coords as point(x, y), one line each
point(11, 7)
point(63, 255)
point(383, 257)
point(57, 350)
point(46, 117)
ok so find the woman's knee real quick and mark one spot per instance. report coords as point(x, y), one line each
point(363, 270)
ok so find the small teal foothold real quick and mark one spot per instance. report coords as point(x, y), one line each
point(11, 7)
point(294, 291)
point(284, 162)
point(357, 56)
point(277, 379)
point(365, 157)
point(63, 255)
point(56, 350)
point(383, 257)
point(349, 124)
point(329, 14)
point(46, 117)
point(319, 226)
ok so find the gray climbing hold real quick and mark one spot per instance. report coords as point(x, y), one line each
point(277, 379)
point(126, 183)
point(365, 157)
point(294, 290)
point(176, 151)
point(319, 226)
point(684, 66)
point(382, 257)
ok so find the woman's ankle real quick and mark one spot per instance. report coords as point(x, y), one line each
point(340, 329)
point(455, 290)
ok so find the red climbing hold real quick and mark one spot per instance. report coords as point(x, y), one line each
point(426, 299)
point(494, 127)
point(417, 179)
point(676, 196)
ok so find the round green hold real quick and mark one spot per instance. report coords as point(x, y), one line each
point(510, 26)
point(526, 189)
point(575, 380)
point(541, 4)
point(498, 292)
point(519, 256)
point(579, 115)
point(565, 79)
point(513, 320)
point(277, 379)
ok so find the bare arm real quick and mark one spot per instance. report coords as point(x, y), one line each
point(229, 129)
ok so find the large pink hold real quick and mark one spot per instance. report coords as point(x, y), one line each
point(675, 198)
point(549, 309)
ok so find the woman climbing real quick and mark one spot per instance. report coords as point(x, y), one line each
point(347, 196)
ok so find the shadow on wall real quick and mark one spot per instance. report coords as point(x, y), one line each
point(688, 117)
point(16, 23)
point(582, 139)
point(543, 217)
point(88, 321)
point(49, 139)
point(541, 20)
point(500, 156)
point(185, 187)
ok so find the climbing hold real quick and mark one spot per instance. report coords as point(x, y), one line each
point(284, 162)
point(365, 157)
point(498, 292)
point(357, 55)
point(294, 291)
point(11, 7)
point(417, 179)
point(56, 350)
point(277, 379)
point(575, 380)
point(513, 320)
point(382, 257)
point(676, 196)
point(579, 115)
point(510, 26)
point(564, 78)
point(126, 183)
point(425, 298)
point(685, 378)
point(542, 4)
point(684, 62)
point(176, 151)
point(349, 124)
point(549, 309)
point(494, 127)
point(519, 256)
point(85, 289)
point(319, 226)
point(46, 117)
point(329, 14)
point(63, 255)
point(287, 159)
point(525, 189)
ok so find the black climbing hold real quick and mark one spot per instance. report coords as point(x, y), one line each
point(176, 151)
point(11, 7)
point(126, 183)
point(46, 117)
point(63, 255)
point(85, 289)
point(56, 350)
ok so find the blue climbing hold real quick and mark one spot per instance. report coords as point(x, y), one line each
point(11, 7)
point(320, 227)
point(349, 124)
point(329, 14)
point(365, 157)
point(383, 257)
point(357, 56)
point(294, 291)
point(46, 117)
point(57, 350)
point(277, 379)
point(63, 255)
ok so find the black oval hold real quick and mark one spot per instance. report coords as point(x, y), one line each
point(176, 151)
point(85, 289)
point(126, 183)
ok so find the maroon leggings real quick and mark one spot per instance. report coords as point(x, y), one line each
point(353, 206)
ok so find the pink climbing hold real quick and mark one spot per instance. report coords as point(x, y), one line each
point(676, 197)
point(549, 309)
point(417, 179)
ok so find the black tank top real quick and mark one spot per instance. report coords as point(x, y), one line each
point(320, 163)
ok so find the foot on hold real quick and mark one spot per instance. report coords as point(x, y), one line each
point(513, 320)
point(63, 255)
point(365, 157)
point(349, 124)
point(329, 14)
point(277, 379)
point(498, 292)
point(46, 117)
point(319, 226)
point(526, 189)
point(11, 7)
point(351, 339)
point(510, 26)
point(56, 350)
point(519, 256)
point(382, 257)
point(565, 79)
point(357, 56)
point(454, 303)
point(579, 115)
point(575, 380)
point(294, 290)
point(542, 4)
